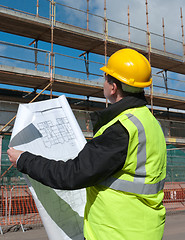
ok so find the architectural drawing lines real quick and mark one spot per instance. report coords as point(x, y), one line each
point(56, 133)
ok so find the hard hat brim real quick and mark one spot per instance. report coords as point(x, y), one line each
point(130, 82)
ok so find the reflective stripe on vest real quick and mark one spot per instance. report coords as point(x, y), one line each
point(138, 186)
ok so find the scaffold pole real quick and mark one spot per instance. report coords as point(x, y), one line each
point(164, 43)
point(128, 24)
point(149, 54)
point(37, 14)
point(87, 15)
point(52, 15)
point(182, 26)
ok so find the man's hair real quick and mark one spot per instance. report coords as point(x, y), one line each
point(112, 80)
point(124, 88)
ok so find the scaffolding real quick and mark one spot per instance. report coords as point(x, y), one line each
point(54, 19)
point(102, 43)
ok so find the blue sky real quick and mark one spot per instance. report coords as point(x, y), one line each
point(169, 9)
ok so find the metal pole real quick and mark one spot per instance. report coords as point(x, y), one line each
point(52, 41)
point(105, 32)
point(10, 203)
point(87, 64)
point(128, 25)
point(165, 80)
point(182, 26)
point(149, 53)
point(6, 208)
point(164, 43)
point(148, 32)
point(36, 53)
point(1, 139)
point(87, 15)
point(37, 8)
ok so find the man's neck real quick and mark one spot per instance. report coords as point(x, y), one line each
point(116, 98)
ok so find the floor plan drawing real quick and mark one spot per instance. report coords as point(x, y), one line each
point(55, 133)
point(49, 128)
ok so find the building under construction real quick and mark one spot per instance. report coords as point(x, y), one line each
point(69, 64)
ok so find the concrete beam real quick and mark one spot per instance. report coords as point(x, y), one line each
point(38, 80)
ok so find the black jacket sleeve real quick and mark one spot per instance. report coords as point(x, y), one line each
point(100, 158)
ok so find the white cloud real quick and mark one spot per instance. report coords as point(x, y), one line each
point(117, 10)
point(157, 9)
point(73, 16)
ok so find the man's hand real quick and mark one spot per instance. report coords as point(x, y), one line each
point(13, 155)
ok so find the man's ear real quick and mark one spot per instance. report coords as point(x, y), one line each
point(114, 88)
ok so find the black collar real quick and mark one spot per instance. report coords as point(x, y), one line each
point(100, 118)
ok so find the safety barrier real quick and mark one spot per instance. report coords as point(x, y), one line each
point(174, 196)
point(17, 207)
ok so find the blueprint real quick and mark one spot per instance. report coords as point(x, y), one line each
point(49, 128)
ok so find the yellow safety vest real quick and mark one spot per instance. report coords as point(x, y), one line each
point(128, 205)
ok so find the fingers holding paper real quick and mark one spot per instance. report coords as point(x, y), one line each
point(13, 155)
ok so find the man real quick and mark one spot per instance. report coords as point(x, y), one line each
point(123, 167)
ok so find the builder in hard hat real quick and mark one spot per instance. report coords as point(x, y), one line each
point(123, 167)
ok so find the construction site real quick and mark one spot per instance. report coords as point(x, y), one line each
point(69, 63)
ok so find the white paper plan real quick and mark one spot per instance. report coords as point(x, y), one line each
point(49, 128)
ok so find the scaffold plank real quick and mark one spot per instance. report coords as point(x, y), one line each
point(82, 39)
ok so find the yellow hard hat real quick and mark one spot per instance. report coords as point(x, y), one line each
point(129, 67)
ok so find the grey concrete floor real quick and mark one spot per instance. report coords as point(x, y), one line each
point(175, 226)
point(174, 230)
point(33, 234)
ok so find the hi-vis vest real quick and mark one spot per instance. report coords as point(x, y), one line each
point(128, 205)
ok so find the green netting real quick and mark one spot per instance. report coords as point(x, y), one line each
point(13, 176)
point(175, 164)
